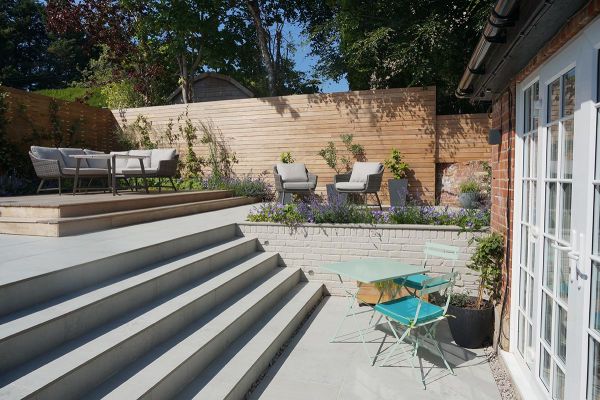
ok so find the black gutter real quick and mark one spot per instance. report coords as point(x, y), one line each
point(502, 16)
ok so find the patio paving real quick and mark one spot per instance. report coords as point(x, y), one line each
point(313, 368)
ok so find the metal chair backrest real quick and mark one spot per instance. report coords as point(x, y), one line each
point(443, 284)
point(443, 251)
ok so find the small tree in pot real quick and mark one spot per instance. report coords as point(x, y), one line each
point(397, 187)
point(473, 322)
point(341, 163)
point(286, 158)
point(469, 194)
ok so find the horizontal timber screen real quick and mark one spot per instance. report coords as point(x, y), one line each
point(258, 130)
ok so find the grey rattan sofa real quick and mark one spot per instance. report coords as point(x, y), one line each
point(364, 178)
point(293, 178)
point(51, 163)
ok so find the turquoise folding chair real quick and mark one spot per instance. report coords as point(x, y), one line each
point(412, 312)
point(431, 250)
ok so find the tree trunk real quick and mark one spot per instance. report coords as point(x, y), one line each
point(263, 46)
point(185, 95)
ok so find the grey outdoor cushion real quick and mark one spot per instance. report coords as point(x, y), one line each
point(135, 163)
point(158, 155)
point(361, 170)
point(298, 185)
point(350, 185)
point(71, 162)
point(48, 153)
point(137, 171)
point(295, 172)
point(86, 171)
point(95, 163)
point(121, 163)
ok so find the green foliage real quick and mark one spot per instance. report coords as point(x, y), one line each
point(397, 167)
point(31, 57)
point(122, 94)
point(220, 157)
point(487, 261)
point(90, 96)
point(383, 44)
point(469, 186)
point(353, 151)
point(192, 165)
point(286, 158)
point(138, 135)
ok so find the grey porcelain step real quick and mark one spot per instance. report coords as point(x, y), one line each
point(39, 284)
point(162, 373)
point(79, 313)
point(71, 370)
point(235, 371)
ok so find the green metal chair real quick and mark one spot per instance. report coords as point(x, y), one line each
point(414, 283)
point(412, 313)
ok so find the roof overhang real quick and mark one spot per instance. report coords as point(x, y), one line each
point(520, 29)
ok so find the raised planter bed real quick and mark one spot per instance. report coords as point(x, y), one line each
point(310, 246)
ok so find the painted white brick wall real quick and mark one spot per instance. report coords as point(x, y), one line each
point(312, 246)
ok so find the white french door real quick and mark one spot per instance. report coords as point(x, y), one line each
point(556, 263)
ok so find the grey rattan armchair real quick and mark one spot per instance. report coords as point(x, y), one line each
point(364, 178)
point(293, 178)
point(163, 165)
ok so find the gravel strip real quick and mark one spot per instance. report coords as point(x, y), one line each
point(501, 376)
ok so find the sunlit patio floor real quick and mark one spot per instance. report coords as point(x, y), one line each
point(313, 368)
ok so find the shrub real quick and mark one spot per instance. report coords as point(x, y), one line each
point(469, 186)
point(240, 186)
point(286, 158)
point(353, 151)
point(487, 260)
point(397, 167)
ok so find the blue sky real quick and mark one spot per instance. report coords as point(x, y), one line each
point(305, 62)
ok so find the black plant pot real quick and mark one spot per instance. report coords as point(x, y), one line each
point(398, 189)
point(471, 328)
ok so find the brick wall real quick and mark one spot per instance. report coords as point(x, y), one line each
point(311, 246)
point(503, 165)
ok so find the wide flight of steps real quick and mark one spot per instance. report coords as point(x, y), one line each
point(202, 320)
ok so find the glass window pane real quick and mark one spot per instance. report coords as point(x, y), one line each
point(533, 209)
point(563, 275)
point(527, 111)
point(565, 223)
point(552, 152)
point(535, 112)
point(549, 264)
point(533, 155)
point(567, 155)
point(551, 208)
point(559, 383)
point(568, 97)
point(521, 334)
point(530, 300)
point(526, 157)
point(554, 100)
point(596, 236)
point(523, 289)
point(561, 334)
point(529, 351)
point(525, 202)
point(524, 241)
point(595, 298)
point(545, 364)
point(598, 144)
point(547, 305)
point(532, 250)
point(593, 391)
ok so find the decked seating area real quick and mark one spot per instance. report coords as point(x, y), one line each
point(55, 215)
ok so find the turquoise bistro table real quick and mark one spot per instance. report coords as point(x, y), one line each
point(368, 270)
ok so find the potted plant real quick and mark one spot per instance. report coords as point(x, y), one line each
point(469, 194)
point(397, 187)
point(341, 163)
point(472, 317)
point(286, 158)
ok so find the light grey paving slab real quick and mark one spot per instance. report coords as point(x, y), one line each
point(311, 367)
point(22, 254)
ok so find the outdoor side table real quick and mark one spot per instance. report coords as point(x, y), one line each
point(368, 270)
